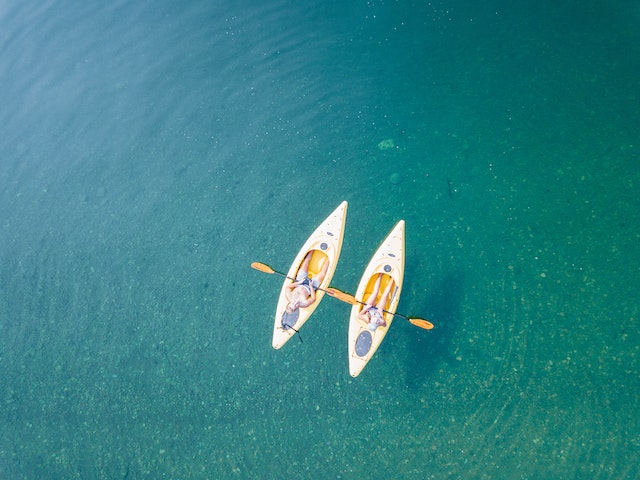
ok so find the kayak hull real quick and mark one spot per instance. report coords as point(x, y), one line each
point(326, 244)
point(388, 260)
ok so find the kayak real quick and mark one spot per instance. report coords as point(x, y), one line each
point(325, 244)
point(388, 264)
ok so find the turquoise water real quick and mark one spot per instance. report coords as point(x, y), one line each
point(150, 151)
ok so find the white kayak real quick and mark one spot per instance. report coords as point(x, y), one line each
point(325, 244)
point(388, 261)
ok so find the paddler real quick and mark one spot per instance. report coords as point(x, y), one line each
point(372, 311)
point(302, 292)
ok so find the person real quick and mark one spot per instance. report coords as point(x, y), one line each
point(302, 292)
point(372, 311)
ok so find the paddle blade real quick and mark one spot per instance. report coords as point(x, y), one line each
point(345, 297)
point(262, 267)
point(422, 323)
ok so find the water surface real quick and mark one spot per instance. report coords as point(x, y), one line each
point(151, 151)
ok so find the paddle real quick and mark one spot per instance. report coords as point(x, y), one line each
point(267, 269)
point(345, 297)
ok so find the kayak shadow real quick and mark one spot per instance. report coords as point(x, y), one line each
point(427, 350)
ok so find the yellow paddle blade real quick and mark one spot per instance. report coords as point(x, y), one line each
point(262, 267)
point(345, 297)
point(422, 323)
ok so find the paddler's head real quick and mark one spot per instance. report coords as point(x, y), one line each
point(374, 317)
point(292, 306)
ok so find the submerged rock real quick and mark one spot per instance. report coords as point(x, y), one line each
point(387, 144)
point(395, 178)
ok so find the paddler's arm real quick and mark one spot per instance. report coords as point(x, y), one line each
point(362, 315)
point(310, 299)
point(290, 288)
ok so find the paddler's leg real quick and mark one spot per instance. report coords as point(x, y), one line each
point(303, 270)
point(382, 304)
point(304, 266)
point(371, 300)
